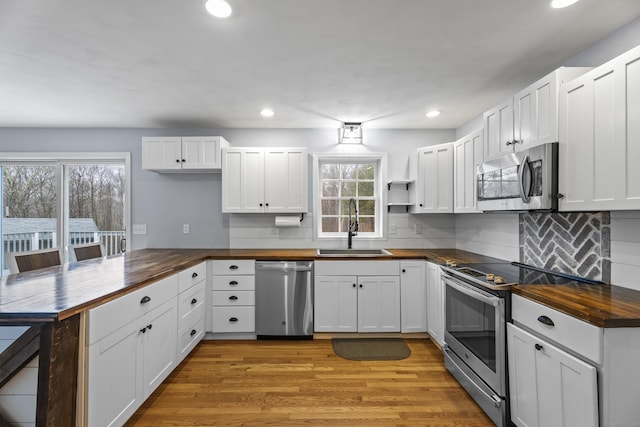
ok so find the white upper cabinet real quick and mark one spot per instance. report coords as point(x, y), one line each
point(498, 129)
point(467, 155)
point(434, 186)
point(599, 133)
point(183, 154)
point(272, 180)
point(529, 118)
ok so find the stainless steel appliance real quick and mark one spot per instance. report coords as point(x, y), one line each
point(476, 312)
point(523, 181)
point(284, 299)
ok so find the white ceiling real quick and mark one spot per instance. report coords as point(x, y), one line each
point(166, 63)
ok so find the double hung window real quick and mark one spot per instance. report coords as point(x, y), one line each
point(338, 180)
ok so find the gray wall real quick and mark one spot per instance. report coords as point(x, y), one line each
point(166, 201)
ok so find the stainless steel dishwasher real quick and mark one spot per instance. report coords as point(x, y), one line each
point(284, 299)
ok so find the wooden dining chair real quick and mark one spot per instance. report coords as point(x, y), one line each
point(32, 260)
point(86, 251)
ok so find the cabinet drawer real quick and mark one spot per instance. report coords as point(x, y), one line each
point(189, 336)
point(234, 298)
point(570, 332)
point(190, 301)
point(191, 276)
point(233, 319)
point(113, 315)
point(237, 266)
point(232, 283)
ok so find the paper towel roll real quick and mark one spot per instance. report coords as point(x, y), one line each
point(287, 221)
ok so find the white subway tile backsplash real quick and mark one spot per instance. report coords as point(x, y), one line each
point(625, 249)
point(625, 275)
point(495, 235)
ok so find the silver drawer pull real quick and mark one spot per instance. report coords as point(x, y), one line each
point(546, 320)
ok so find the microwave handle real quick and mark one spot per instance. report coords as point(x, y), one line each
point(523, 195)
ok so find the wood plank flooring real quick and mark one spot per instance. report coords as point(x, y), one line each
point(303, 383)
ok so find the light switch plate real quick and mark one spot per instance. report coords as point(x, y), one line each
point(185, 228)
point(139, 228)
point(392, 229)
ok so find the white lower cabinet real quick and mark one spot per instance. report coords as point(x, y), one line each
point(413, 294)
point(360, 302)
point(191, 308)
point(566, 372)
point(233, 298)
point(128, 358)
point(435, 303)
point(548, 386)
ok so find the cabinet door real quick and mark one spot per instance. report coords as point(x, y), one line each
point(285, 180)
point(335, 304)
point(378, 304)
point(413, 293)
point(468, 154)
point(498, 130)
point(435, 303)
point(159, 345)
point(201, 153)
point(598, 137)
point(161, 153)
point(435, 179)
point(114, 376)
point(548, 386)
point(535, 112)
point(242, 180)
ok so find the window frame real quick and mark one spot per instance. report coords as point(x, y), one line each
point(380, 160)
point(61, 160)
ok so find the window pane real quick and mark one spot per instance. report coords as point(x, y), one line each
point(96, 205)
point(330, 207)
point(344, 223)
point(330, 189)
point(365, 189)
point(348, 171)
point(366, 171)
point(29, 209)
point(348, 189)
point(330, 225)
point(330, 171)
point(367, 225)
point(367, 207)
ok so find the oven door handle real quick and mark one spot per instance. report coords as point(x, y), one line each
point(473, 293)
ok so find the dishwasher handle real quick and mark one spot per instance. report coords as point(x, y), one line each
point(279, 266)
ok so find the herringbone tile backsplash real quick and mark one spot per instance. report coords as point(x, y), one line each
point(576, 243)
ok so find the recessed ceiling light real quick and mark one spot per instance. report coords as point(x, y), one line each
point(559, 4)
point(267, 112)
point(218, 8)
point(434, 113)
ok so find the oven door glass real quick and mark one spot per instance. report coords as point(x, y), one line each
point(474, 329)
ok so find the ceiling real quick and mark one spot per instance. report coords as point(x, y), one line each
point(316, 63)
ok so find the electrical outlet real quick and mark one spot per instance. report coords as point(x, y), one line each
point(392, 229)
point(417, 229)
point(139, 228)
point(185, 228)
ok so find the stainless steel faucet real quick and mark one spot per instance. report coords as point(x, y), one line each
point(353, 226)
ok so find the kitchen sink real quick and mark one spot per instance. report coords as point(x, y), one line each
point(360, 253)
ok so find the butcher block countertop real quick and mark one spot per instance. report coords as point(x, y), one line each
point(603, 306)
point(56, 293)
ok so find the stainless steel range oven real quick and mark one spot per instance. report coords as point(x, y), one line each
point(475, 339)
point(477, 307)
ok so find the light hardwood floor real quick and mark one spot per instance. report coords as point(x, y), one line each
point(303, 383)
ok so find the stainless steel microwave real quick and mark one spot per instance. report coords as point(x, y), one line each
point(522, 181)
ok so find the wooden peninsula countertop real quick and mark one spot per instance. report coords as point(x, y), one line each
point(57, 293)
